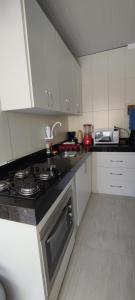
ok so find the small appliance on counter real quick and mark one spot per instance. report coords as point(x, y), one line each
point(88, 128)
point(79, 136)
point(69, 146)
point(71, 135)
point(106, 136)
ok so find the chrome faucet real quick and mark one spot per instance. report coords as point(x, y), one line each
point(49, 130)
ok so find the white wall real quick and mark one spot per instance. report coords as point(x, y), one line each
point(22, 134)
point(108, 85)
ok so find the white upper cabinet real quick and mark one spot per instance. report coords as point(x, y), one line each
point(43, 54)
point(14, 71)
point(77, 87)
point(65, 77)
point(36, 66)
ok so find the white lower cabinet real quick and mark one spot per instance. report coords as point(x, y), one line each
point(113, 173)
point(83, 188)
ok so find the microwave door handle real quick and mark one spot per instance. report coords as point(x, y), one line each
point(98, 140)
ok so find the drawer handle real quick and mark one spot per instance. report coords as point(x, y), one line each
point(116, 186)
point(116, 160)
point(116, 173)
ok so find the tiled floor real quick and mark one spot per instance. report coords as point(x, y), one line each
point(102, 266)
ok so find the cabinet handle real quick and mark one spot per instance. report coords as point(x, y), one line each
point(78, 107)
point(116, 160)
point(50, 98)
point(68, 104)
point(116, 186)
point(115, 173)
point(46, 92)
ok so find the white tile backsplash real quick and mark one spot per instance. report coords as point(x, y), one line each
point(117, 94)
point(76, 123)
point(130, 63)
point(100, 96)
point(99, 67)
point(100, 119)
point(116, 117)
point(117, 63)
point(86, 63)
point(111, 78)
point(87, 95)
point(22, 134)
point(130, 90)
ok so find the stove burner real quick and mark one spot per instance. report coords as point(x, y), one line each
point(21, 174)
point(29, 191)
point(45, 176)
point(3, 185)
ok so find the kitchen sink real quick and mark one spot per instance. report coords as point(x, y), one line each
point(67, 154)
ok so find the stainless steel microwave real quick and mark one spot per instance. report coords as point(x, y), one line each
point(106, 136)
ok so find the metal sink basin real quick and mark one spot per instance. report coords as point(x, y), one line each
point(67, 154)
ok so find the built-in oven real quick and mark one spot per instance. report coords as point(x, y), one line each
point(55, 237)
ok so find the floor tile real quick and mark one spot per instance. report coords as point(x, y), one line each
point(102, 266)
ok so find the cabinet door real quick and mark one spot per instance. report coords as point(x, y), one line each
point(83, 188)
point(77, 87)
point(88, 177)
point(65, 77)
point(42, 41)
point(5, 146)
point(14, 79)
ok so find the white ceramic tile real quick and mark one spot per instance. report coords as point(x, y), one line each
point(100, 119)
point(27, 132)
point(130, 63)
point(86, 277)
point(117, 94)
point(130, 90)
point(76, 122)
point(87, 93)
point(100, 66)
point(117, 63)
point(121, 277)
point(86, 67)
point(102, 265)
point(100, 96)
point(5, 145)
point(116, 118)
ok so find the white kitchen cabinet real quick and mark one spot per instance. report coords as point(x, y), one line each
point(29, 55)
point(5, 145)
point(65, 77)
point(83, 188)
point(77, 87)
point(113, 173)
point(35, 64)
point(43, 53)
point(21, 264)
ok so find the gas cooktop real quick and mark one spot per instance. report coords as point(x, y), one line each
point(29, 183)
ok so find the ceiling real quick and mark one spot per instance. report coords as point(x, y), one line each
point(91, 26)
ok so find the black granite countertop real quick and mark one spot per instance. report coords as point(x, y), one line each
point(113, 148)
point(32, 211)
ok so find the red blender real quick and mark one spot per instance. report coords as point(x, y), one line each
point(87, 140)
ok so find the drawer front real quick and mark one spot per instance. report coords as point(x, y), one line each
point(127, 189)
point(115, 181)
point(121, 175)
point(115, 160)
